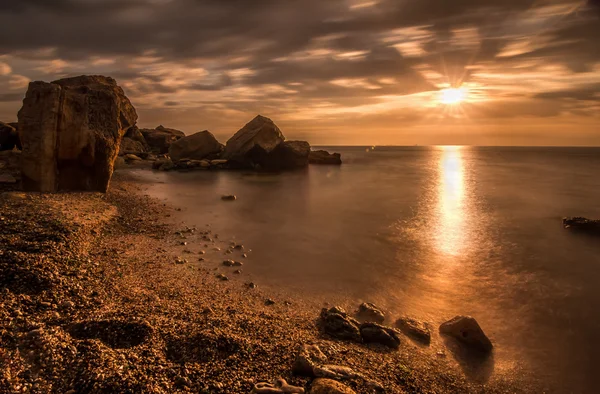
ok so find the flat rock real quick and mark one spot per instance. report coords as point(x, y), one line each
point(414, 328)
point(337, 323)
point(368, 312)
point(375, 333)
point(322, 157)
point(467, 330)
point(197, 146)
point(329, 386)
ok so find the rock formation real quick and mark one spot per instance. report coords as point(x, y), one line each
point(198, 146)
point(288, 155)
point(71, 130)
point(375, 333)
point(324, 158)
point(160, 139)
point(133, 142)
point(337, 323)
point(467, 330)
point(368, 312)
point(9, 138)
point(582, 224)
point(251, 145)
point(415, 329)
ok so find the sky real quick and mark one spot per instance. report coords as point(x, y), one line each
point(333, 72)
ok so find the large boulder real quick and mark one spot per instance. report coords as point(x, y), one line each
point(197, 146)
point(160, 139)
point(288, 155)
point(375, 333)
point(323, 157)
point(133, 142)
point(251, 146)
point(467, 330)
point(9, 138)
point(71, 131)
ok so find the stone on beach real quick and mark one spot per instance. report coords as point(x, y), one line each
point(338, 324)
point(376, 333)
point(251, 145)
point(160, 139)
point(229, 197)
point(467, 330)
point(324, 158)
point(414, 328)
point(280, 386)
point(9, 137)
point(368, 312)
point(308, 357)
point(133, 142)
point(329, 386)
point(71, 130)
point(197, 146)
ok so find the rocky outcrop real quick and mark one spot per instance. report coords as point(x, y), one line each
point(375, 333)
point(329, 386)
point(368, 312)
point(288, 155)
point(582, 224)
point(198, 146)
point(160, 139)
point(9, 138)
point(322, 157)
point(415, 329)
point(337, 323)
point(71, 131)
point(467, 330)
point(251, 146)
point(133, 142)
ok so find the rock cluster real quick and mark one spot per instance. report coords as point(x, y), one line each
point(160, 139)
point(71, 131)
point(582, 224)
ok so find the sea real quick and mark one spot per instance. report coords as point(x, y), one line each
point(431, 233)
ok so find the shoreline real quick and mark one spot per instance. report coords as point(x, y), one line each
point(94, 300)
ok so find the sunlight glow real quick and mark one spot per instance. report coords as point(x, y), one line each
point(452, 96)
point(451, 205)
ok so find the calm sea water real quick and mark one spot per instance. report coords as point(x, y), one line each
point(432, 233)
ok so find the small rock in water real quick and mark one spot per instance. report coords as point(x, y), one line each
point(229, 197)
point(237, 264)
point(368, 312)
point(467, 330)
point(237, 272)
point(252, 285)
point(222, 277)
point(244, 255)
point(239, 247)
point(414, 328)
point(228, 263)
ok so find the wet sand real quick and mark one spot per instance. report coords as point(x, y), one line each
point(109, 293)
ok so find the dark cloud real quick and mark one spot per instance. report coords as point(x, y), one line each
point(582, 93)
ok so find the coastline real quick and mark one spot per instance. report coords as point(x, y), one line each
point(94, 300)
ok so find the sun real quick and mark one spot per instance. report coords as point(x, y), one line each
point(452, 96)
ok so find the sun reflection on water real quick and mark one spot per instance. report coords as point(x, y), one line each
point(451, 201)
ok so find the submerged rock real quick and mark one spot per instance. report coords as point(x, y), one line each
point(280, 386)
point(324, 158)
point(415, 329)
point(582, 224)
point(368, 312)
point(338, 324)
point(229, 197)
point(71, 131)
point(329, 386)
point(467, 330)
point(252, 144)
point(375, 333)
point(9, 137)
point(197, 146)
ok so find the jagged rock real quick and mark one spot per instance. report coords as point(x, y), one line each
point(9, 137)
point(467, 330)
point(375, 333)
point(368, 312)
point(133, 142)
point(329, 386)
point(71, 130)
point(324, 158)
point(250, 146)
point(414, 328)
point(280, 386)
point(307, 359)
point(197, 146)
point(338, 324)
point(288, 155)
point(160, 139)
point(582, 224)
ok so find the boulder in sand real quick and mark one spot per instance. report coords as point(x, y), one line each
point(198, 146)
point(71, 131)
point(467, 330)
point(9, 138)
point(337, 323)
point(160, 139)
point(251, 145)
point(323, 157)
